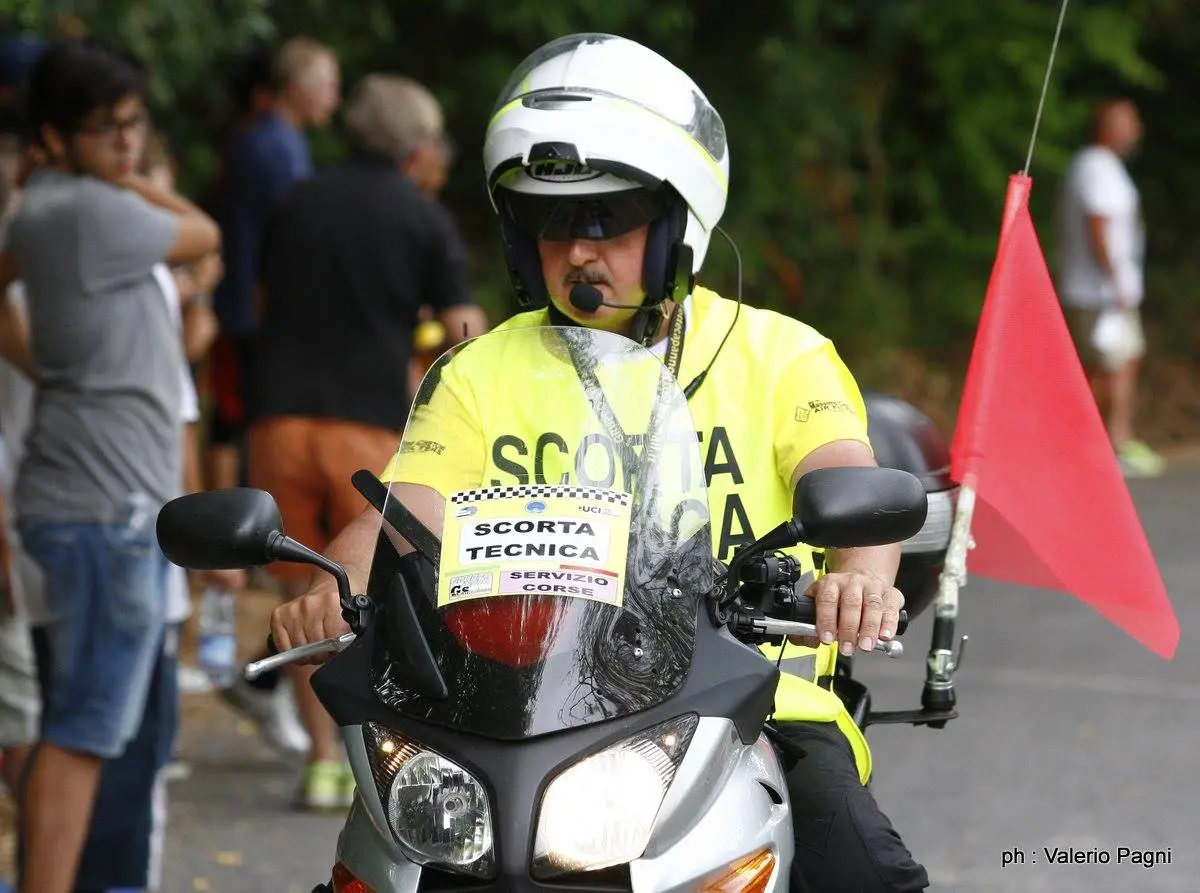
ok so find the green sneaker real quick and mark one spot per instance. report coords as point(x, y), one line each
point(1138, 460)
point(323, 786)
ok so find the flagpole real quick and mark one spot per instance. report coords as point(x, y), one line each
point(938, 695)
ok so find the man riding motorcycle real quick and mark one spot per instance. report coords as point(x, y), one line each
point(609, 170)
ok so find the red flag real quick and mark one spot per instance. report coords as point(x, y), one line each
point(1052, 509)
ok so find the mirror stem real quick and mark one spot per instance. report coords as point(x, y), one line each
point(284, 548)
point(786, 534)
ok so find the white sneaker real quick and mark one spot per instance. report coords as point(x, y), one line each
point(193, 680)
point(274, 712)
point(177, 770)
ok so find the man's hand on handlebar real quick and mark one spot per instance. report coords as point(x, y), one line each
point(313, 617)
point(856, 609)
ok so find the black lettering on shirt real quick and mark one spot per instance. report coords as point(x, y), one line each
point(720, 441)
point(539, 457)
point(508, 465)
point(734, 511)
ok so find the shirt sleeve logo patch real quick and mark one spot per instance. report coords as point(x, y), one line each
point(805, 411)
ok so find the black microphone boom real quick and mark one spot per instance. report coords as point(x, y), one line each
point(586, 297)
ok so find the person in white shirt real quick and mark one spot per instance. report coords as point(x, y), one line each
point(21, 603)
point(1102, 246)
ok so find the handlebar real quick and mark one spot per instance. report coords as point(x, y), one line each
point(792, 614)
point(769, 626)
point(804, 610)
point(771, 602)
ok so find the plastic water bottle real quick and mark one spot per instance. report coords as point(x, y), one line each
point(216, 651)
point(137, 513)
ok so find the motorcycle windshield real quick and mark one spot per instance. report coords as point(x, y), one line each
point(558, 474)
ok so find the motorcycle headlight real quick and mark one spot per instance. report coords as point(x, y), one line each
point(438, 811)
point(600, 811)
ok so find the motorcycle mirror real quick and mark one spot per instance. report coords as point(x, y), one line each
point(843, 508)
point(231, 528)
point(850, 507)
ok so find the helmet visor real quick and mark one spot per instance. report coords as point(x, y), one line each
point(554, 218)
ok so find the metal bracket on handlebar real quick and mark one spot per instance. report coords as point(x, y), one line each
point(945, 663)
point(357, 611)
point(718, 613)
point(941, 665)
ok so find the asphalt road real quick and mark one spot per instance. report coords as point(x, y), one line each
point(1072, 735)
point(1072, 738)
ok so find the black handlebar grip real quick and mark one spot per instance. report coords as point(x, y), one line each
point(805, 611)
point(272, 648)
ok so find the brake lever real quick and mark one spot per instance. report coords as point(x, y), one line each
point(769, 626)
point(254, 669)
point(358, 611)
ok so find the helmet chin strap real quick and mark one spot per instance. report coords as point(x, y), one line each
point(642, 327)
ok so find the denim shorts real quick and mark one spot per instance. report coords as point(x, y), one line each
point(123, 850)
point(106, 606)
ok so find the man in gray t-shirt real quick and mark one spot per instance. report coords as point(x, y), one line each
point(103, 452)
point(108, 357)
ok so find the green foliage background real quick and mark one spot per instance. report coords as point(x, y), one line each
point(871, 140)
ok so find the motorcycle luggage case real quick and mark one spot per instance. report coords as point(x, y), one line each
point(905, 438)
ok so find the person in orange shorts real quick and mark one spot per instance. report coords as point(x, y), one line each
point(350, 259)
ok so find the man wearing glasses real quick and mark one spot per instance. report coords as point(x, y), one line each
point(104, 450)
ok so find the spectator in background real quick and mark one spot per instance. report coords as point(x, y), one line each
point(250, 97)
point(429, 336)
point(350, 257)
point(261, 162)
point(19, 600)
point(252, 85)
point(264, 159)
point(188, 293)
point(18, 53)
point(124, 833)
point(125, 837)
point(103, 453)
point(1101, 274)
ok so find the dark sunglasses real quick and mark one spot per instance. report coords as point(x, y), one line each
point(595, 217)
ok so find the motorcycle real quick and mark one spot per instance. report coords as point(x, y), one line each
point(555, 686)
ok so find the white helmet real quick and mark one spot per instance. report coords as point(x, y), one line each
point(593, 136)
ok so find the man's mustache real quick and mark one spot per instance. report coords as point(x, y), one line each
point(591, 277)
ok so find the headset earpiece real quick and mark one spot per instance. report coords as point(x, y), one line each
point(662, 270)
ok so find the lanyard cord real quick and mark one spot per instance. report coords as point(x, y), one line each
point(604, 411)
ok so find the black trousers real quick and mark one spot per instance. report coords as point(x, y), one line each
point(844, 842)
